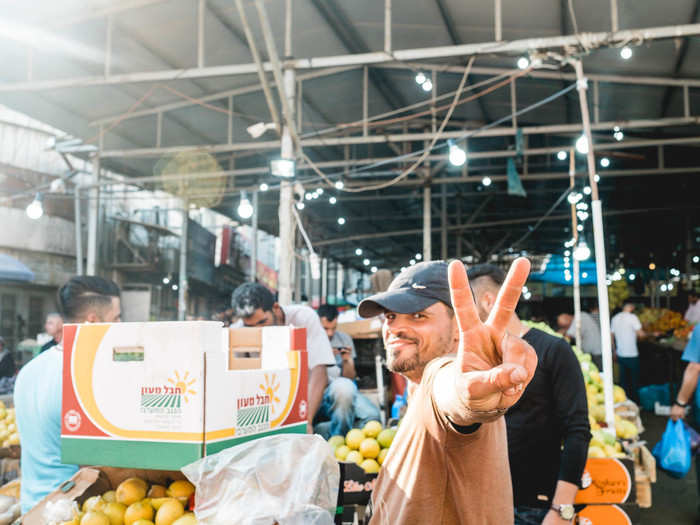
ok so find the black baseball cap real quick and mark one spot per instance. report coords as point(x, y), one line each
point(415, 289)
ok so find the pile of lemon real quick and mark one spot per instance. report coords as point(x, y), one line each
point(367, 447)
point(8, 426)
point(134, 503)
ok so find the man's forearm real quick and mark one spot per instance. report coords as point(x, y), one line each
point(690, 382)
point(318, 379)
point(565, 493)
point(349, 369)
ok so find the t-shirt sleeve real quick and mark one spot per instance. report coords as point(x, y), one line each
point(635, 323)
point(692, 349)
point(317, 344)
point(569, 394)
point(571, 332)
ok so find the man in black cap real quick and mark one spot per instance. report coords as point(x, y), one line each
point(448, 463)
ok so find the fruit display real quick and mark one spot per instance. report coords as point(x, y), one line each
point(661, 320)
point(8, 426)
point(135, 503)
point(367, 447)
point(618, 292)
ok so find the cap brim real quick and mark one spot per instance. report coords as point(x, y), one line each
point(401, 301)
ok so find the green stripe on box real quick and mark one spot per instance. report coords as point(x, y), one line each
point(126, 453)
point(218, 446)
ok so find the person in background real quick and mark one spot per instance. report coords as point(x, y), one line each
point(38, 390)
point(545, 474)
point(7, 362)
point(564, 321)
point(590, 337)
point(448, 463)
point(692, 314)
point(343, 406)
point(53, 327)
point(627, 328)
point(255, 306)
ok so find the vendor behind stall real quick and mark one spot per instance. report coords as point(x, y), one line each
point(255, 306)
point(38, 390)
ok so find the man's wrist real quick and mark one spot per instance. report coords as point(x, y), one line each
point(680, 404)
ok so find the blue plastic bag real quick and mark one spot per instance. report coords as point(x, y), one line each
point(673, 451)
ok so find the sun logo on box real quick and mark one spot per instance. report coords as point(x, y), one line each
point(182, 385)
point(270, 389)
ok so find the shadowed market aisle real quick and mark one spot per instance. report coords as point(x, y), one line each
point(674, 501)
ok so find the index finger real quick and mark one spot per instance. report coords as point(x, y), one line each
point(508, 296)
point(461, 296)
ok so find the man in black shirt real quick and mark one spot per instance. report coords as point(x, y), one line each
point(552, 411)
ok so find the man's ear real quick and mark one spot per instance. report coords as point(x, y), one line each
point(488, 299)
point(92, 318)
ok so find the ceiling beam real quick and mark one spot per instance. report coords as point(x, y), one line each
point(345, 31)
point(680, 60)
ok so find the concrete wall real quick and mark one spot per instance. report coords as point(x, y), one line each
point(50, 235)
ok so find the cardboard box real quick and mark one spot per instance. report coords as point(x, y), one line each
point(608, 515)
point(88, 482)
point(364, 329)
point(162, 395)
point(607, 480)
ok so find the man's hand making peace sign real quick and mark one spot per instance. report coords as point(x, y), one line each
point(492, 367)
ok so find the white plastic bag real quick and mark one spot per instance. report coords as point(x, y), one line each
point(290, 479)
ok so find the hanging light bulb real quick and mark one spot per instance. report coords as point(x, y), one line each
point(582, 252)
point(486, 181)
point(332, 200)
point(619, 135)
point(582, 145)
point(523, 63)
point(421, 78)
point(365, 262)
point(587, 190)
point(35, 209)
point(574, 197)
point(300, 205)
point(457, 155)
point(579, 227)
point(339, 185)
point(341, 220)
point(308, 196)
point(319, 191)
point(412, 262)
point(264, 187)
point(373, 269)
point(358, 251)
point(427, 86)
point(626, 53)
point(166, 280)
point(604, 162)
point(419, 256)
point(245, 208)
point(561, 155)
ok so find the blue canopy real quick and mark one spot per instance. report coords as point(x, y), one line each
point(555, 270)
point(13, 270)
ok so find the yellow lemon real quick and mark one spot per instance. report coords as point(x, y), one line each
point(354, 438)
point(382, 455)
point(372, 428)
point(115, 512)
point(336, 441)
point(370, 466)
point(354, 457)
point(169, 512)
point(157, 491)
point(94, 517)
point(369, 448)
point(131, 490)
point(143, 522)
point(186, 519)
point(93, 503)
point(341, 452)
point(181, 490)
point(138, 511)
point(110, 496)
point(386, 437)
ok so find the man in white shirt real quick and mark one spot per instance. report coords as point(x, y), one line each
point(255, 305)
point(627, 328)
point(590, 337)
point(692, 314)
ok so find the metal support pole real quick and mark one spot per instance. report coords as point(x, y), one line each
point(443, 223)
point(93, 213)
point(182, 283)
point(300, 103)
point(288, 28)
point(513, 103)
point(433, 96)
point(686, 101)
point(159, 130)
point(596, 101)
point(574, 229)
point(324, 280)
point(201, 14)
point(108, 45)
point(427, 224)
point(285, 214)
point(387, 26)
point(229, 124)
point(365, 100)
point(614, 24)
point(660, 155)
point(78, 233)
point(599, 254)
point(497, 21)
point(254, 240)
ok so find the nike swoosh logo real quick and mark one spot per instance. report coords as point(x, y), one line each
point(418, 286)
